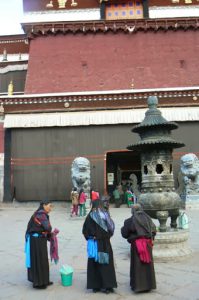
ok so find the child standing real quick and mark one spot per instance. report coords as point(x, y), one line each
point(82, 201)
point(74, 199)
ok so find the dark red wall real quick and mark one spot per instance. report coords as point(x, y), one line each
point(68, 63)
point(1, 138)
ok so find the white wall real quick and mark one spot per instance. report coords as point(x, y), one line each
point(173, 12)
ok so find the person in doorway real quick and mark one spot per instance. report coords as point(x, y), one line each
point(97, 230)
point(129, 197)
point(140, 231)
point(74, 198)
point(121, 188)
point(82, 203)
point(37, 233)
point(116, 195)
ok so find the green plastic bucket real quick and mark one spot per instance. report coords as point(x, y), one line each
point(66, 279)
point(66, 275)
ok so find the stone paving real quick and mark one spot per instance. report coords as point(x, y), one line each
point(175, 280)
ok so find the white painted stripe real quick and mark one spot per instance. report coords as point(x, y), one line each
point(173, 12)
point(15, 57)
point(11, 68)
point(109, 92)
point(62, 15)
point(105, 117)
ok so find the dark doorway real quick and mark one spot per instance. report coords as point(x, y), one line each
point(119, 166)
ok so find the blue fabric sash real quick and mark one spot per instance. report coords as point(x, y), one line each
point(27, 249)
point(92, 249)
point(103, 258)
point(92, 252)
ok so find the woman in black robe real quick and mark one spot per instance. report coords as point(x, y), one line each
point(99, 227)
point(140, 231)
point(37, 233)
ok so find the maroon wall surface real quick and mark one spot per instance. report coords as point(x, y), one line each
point(1, 138)
point(69, 63)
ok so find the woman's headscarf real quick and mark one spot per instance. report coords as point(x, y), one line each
point(96, 215)
point(142, 221)
point(102, 217)
point(105, 202)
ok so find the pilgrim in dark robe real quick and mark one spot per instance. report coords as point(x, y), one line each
point(97, 230)
point(37, 233)
point(140, 231)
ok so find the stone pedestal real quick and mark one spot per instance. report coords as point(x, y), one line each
point(192, 198)
point(171, 245)
point(192, 201)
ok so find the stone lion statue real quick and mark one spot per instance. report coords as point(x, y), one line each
point(80, 174)
point(189, 167)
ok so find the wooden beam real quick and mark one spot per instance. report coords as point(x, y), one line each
point(146, 9)
point(102, 10)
